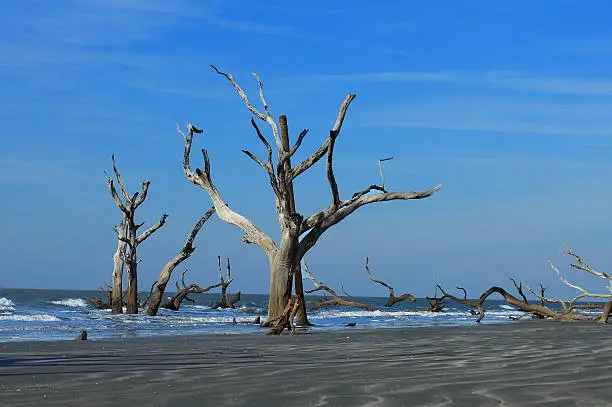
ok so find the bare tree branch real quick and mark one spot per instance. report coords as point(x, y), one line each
point(265, 117)
point(139, 198)
point(392, 300)
point(115, 196)
point(321, 151)
point(331, 178)
point(174, 302)
point(519, 289)
point(152, 229)
point(185, 252)
point(380, 170)
point(203, 179)
point(124, 192)
point(337, 299)
point(583, 266)
point(321, 221)
point(298, 143)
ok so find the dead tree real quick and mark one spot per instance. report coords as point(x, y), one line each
point(116, 294)
point(127, 232)
point(227, 301)
point(392, 300)
point(478, 304)
point(298, 234)
point(182, 293)
point(571, 310)
point(435, 303)
point(185, 252)
point(336, 299)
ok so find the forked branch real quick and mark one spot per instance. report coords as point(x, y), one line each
point(392, 300)
point(202, 178)
point(182, 293)
point(336, 299)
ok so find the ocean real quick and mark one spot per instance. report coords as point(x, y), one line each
point(43, 315)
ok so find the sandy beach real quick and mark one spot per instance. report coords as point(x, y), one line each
point(525, 363)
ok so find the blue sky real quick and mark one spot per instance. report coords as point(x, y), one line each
point(508, 104)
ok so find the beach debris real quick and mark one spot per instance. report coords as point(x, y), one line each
point(299, 233)
point(336, 300)
point(166, 272)
point(392, 300)
point(82, 336)
point(182, 293)
point(128, 240)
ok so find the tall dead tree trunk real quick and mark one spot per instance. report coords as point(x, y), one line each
point(116, 298)
point(301, 316)
point(298, 234)
point(127, 232)
point(180, 257)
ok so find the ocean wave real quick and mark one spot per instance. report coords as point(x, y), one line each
point(331, 314)
point(508, 307)
point(29, 318)
point(71, 302)
point(6, 304)
point(200, 307)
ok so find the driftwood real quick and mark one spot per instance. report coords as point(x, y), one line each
point(298, 233)
point(128, 241)
point(227, 301)
point(532, 309)
point(182, 293)
point(392, 300)
point(81, 337)
point(335, 300)
point(435, 303)
point(285, 320)
point(570, 310)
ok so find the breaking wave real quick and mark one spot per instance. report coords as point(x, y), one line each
point(71, 302)
point(6, 304)
point(29, 318)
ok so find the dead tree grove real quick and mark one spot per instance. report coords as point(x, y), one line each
point(298, 233)
point(128, 242)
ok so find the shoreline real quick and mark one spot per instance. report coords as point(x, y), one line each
point(520, 363)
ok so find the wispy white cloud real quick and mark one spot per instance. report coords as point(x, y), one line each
point(510, 80)
point(49, 45)
point(498, 115)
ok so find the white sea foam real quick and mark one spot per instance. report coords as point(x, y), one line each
point(71, 302)
point(29, 318)
point(200, 307)
point(6, 304)
point(331, 314)
point(509, 307)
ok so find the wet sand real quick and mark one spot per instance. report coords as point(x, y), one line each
point(517, 364)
